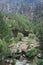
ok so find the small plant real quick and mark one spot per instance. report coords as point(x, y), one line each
point(31, 35)
point(32, 53)
point(40, 62)
point(4, 50)
point(19, 36)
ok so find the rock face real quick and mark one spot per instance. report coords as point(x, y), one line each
point(19, 49)
point(39, 55)
point(20, 46)
point(23, 45)
point(24, 62)
point(8, 62)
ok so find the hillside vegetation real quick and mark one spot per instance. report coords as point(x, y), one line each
point(15, 28)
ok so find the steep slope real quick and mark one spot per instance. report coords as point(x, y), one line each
point(24, 7)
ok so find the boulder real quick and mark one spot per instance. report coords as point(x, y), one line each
point(39, 55)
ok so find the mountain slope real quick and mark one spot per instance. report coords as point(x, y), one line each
point(24, 7)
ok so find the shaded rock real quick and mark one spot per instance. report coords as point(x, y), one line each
point(8, 60)
point(39, 55)
point(20, 46)
point(24, 62)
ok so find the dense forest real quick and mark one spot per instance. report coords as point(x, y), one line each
point(21, 35)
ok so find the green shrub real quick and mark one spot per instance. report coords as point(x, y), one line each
point(32, 53)
point(20, 22)
point(31, 36)
point(40, 62)
point(19, 36)
point(4, 50)
point(5, 31)
point(32, 39)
